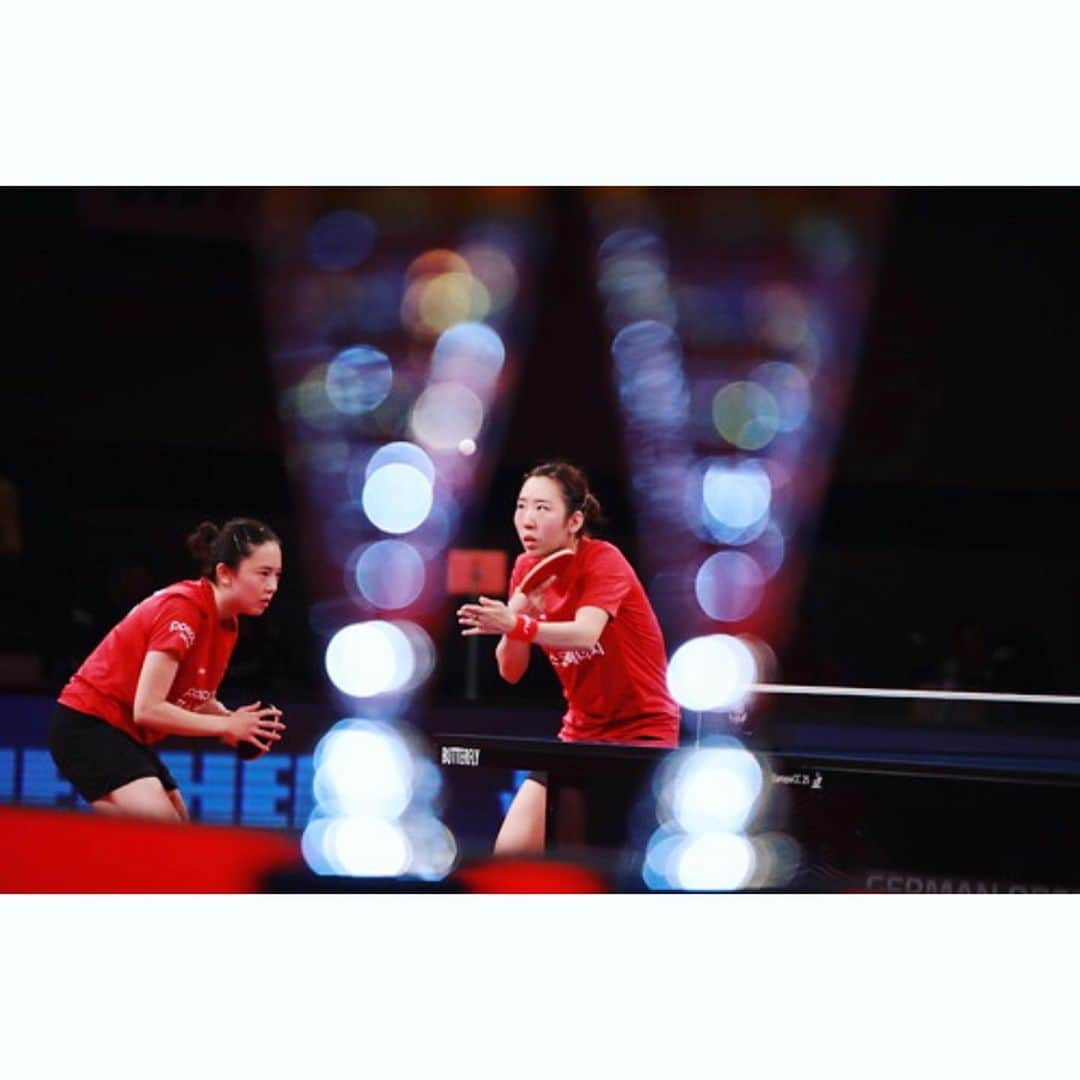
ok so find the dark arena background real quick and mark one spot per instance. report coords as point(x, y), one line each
point(833, 430)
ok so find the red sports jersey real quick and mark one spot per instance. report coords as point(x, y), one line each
point(181, 620)
point(617, 690)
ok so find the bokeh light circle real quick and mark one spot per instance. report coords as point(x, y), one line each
point(341, 239)
point(422, 655)
point(397, 497)
point(651, 383)
point(401, 453)
point(735, 501)
point(434, 262)
point(308, 400)
point(434, 849)
point(494, 268)
point(713, 861)
point(363, 767)
point(370, 658)
point(368, 847)
point(389, 574)
point(789, 388)
point(452, 298)
point(445, 414)
point(358, 379)
point(469, 353)
point(729, 586)
point(769, 549)
point(313, 845)
point(746, 415)
point(634, 243)
point(711, 672)
point(714, 788)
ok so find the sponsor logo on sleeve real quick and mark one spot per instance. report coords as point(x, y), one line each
point(193, 698)
point(185, 631)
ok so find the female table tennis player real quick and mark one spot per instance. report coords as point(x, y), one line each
point(591, 616)
point(157, 672)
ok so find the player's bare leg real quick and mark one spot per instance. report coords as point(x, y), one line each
point(522, 831)
point(178, 802)
point(569, 818)
point(143, 798)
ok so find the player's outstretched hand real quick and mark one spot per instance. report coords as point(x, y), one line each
point(486, 616)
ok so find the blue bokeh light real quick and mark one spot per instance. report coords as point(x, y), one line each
point(729, 586)
point(389, 574)
point(790, 390)
point(735, 498)
point(469, 353)
point(341, 240)
point(358, 379)
point(651, 383)
point(401, 453)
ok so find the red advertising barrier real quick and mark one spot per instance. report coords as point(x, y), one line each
point(50, 851)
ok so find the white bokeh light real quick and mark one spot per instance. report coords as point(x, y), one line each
point(721, 861)
point(363, 768)
point(713, 789)
point(445, 414)
point(397, 497)
point(711, 672)
point(368, 847)
point(736, 495)
point(369, 658)
point(421, 653)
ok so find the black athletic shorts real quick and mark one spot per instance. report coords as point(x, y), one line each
point(98, 758)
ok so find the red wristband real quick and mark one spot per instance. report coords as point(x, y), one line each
point(525, 629)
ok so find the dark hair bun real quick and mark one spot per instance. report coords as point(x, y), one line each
point(201, 541)
point(590, 507)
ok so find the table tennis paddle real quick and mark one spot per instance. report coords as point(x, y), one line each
point(554, 566)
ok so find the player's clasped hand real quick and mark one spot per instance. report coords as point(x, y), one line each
point(487, 616)
point(262, 727)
